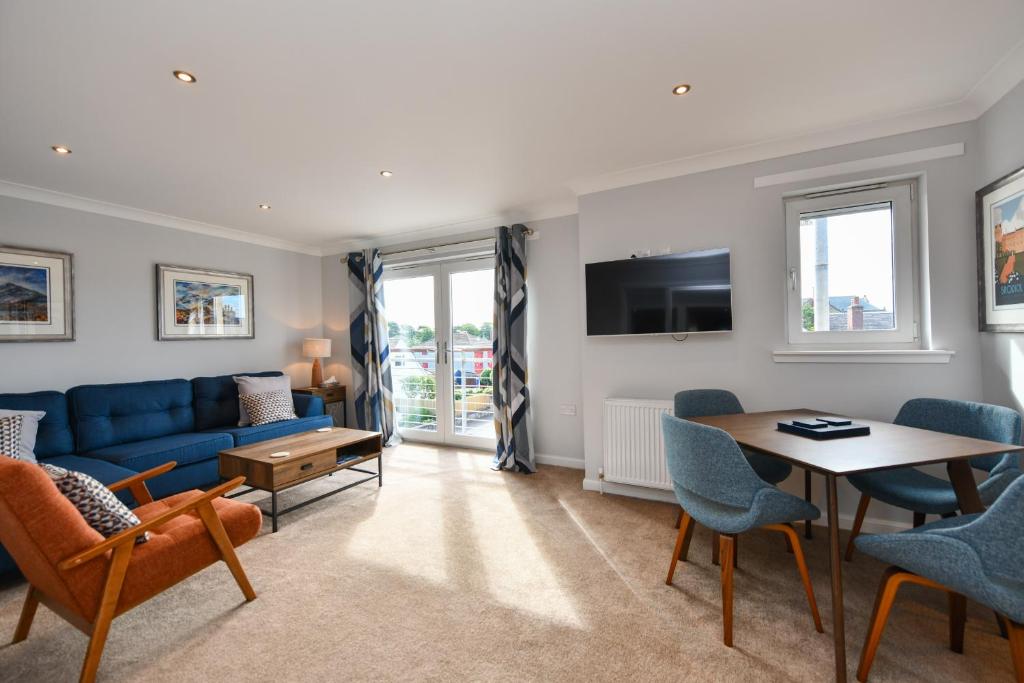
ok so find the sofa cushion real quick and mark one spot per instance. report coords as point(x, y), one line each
point(54, 436)
point(98, 505)
point(181, 448)
point(244, 436)
point(110, 414)
point(216, 399)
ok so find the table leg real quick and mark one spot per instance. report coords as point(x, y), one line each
point(835, 568)
point(807, 496)
point(966, 488)
point(380, 470)
point(273, 513)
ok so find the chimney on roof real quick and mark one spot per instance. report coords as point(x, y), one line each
point(855, 315)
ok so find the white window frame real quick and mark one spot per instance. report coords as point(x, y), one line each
point(902, 195)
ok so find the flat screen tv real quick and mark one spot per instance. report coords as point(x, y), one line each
point(672, 294)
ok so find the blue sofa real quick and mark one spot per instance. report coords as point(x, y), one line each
point(113, 431)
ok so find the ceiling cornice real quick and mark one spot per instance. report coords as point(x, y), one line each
point(70, 201)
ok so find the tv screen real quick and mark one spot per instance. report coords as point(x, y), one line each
point(673, 294)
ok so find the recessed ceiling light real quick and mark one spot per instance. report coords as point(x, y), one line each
point(61, 149)
point(386, 174)
point(681, 89)
point(184, 77)
point(265, 207)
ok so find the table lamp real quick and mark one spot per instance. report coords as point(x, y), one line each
point(316, 349)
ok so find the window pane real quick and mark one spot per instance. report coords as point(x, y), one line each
point(846, 269)
point(410, 314)
point(472, 294)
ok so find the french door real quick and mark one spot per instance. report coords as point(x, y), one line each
point(439, 329)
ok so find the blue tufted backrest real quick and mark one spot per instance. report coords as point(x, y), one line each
point(707, 461)
point(54, 437)
point(704, 402)
point(109, 414)
point(216, 399)
point(965, 418)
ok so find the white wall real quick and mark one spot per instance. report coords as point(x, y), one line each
point(1001, 144)
point(722, 208)
point(115, 302)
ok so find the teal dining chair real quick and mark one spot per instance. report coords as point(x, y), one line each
point(717, 488)
point(978, 556)
point(923, 494)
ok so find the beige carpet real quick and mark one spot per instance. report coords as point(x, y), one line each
point(454, 572)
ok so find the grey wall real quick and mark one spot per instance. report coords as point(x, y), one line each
point(722, 208)
point(115, 310)
point(1001, 145)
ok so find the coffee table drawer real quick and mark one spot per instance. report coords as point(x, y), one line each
point(300, 468)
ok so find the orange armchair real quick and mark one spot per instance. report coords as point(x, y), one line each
point(88, 579)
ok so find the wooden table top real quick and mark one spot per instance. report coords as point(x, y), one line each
point(888, 446)
point(300, 444)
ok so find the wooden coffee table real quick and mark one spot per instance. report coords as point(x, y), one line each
point(310, 455)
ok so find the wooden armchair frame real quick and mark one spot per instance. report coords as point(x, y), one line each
point(122, 545)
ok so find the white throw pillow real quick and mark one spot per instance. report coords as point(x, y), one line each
point(29, 429)
point(258, 385)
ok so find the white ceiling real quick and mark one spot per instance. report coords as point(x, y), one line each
point(481, 108)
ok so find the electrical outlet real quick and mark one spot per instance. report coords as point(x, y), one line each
point(567, 409)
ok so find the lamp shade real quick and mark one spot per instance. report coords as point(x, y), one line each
point(316, 348)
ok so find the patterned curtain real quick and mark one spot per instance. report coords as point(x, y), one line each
point(511, 396)
point(371, 363)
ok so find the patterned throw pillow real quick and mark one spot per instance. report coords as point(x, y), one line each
point(270, 406)
point(10, 436)
point(98, 504)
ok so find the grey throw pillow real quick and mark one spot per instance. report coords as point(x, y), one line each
point(98, 505)
point(29, 430)
point(10, 436)
point(259, 385)
point(271, 406)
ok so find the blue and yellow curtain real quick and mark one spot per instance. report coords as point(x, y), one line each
point(511, 395)
point(368, 329)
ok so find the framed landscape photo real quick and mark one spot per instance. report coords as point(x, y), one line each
point(1000, 218)
point(194, 303)
point(35, 296)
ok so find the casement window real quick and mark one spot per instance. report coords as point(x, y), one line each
point(852, 271)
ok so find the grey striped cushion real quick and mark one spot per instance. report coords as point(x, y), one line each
point(98, 504)
point(270, 406)
point(10, 436)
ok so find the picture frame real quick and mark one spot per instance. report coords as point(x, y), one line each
point(36, 295)
point(202, 303)
point(999, 210)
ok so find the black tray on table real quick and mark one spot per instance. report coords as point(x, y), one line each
point(824, 428)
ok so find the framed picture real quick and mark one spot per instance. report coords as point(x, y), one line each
point(1000, 217)
point(194, 303)
point(35, 296)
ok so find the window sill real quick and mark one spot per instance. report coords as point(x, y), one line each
point(913, 356)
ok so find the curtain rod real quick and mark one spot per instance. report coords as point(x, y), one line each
point(529, 232)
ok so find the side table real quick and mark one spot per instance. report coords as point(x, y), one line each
point(335, 401)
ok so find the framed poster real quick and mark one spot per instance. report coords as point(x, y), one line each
point(194, 303)
point(1000, 219)
point(36, 301)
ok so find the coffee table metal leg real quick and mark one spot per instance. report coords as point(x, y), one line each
point(834, 564)
point(273, 512)
point(380, 470)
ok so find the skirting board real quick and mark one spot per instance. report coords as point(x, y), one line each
point(559, 461)
point(872, 525)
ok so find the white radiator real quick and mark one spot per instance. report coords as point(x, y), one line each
point(634, 450)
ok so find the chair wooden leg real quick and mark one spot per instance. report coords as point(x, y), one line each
point(793, 540)
point(682, 546)
point(858, 520)
point(1015, 632)
point(28, 613)
point(883, 604)
point(919, 518)
point(957, 622)
point(106, 611)
point(727, 544)
point(227, 551)
point(679, 517)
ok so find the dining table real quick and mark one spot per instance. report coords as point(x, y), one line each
point(887, 446)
